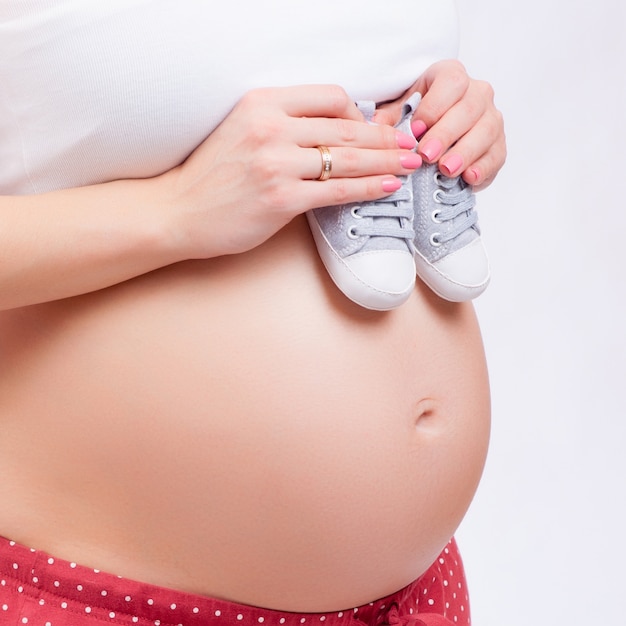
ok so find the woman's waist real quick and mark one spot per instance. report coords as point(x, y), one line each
point(35, 573)
point(241, 415)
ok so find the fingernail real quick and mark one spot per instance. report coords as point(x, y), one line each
point(410, 161)
point(391, 184)
point(431, 149)
point(452, 164)
point(475, 174)
point(418, 128)
point(405, 141)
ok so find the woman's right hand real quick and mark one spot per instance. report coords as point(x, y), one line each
point(259, 168)
point(248, 179)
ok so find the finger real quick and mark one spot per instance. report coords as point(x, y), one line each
point(485, 135)
point(474, 177)
point(315, 101)
point(309, 133)
point(390, 113)
point(356, 163)
point(442, 85)
point(464, 116)
point(481, 172)
point(335, 192)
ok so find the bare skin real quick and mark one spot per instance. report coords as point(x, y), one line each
point(456, 122)
point(186, 399)
point(237, 428)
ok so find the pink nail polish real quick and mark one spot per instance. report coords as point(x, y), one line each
point(453, 163)
point(418, 128)
point(410, 161)
point(405, 141)
point(391, 184)
point(431, 149)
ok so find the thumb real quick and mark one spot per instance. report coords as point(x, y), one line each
point(388, 113)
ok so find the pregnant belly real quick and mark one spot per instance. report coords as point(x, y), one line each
point(236, 428)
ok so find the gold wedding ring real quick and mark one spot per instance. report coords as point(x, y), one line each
point(327, 163)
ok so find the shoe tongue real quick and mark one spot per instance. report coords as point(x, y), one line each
point(368, 108)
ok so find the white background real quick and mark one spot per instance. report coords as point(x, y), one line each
point(544, 541)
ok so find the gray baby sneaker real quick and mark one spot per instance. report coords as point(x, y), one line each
point(449, 253)
point(367, 248)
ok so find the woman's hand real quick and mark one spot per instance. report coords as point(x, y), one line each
point(248, 179)
point(259, 168)
point(456, 122)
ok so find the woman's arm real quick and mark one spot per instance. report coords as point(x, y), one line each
point(248, 179)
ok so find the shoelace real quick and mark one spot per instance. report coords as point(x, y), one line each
point(454, 205)
point(390, 208)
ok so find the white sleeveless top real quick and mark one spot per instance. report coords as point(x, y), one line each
point(95, 90)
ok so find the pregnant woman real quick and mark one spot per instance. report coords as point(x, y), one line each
point(196, 426)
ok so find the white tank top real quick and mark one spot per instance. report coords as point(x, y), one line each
point(94, 90)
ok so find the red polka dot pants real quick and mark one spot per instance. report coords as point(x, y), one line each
point(37, 589)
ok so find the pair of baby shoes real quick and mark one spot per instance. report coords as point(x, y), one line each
point(373, 251)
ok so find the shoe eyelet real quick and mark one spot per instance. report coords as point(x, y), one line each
point(437, 195)
point(354, 211)
point(434, 240)
point(434, 216)
point(352, 233)
point(437, 176)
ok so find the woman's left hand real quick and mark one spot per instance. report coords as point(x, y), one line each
point(456, 122)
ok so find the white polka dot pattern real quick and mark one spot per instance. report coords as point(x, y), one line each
point(39, 590)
